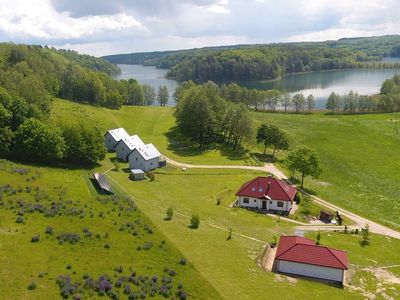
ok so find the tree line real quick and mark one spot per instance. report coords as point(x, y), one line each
point(207, 118)
point(351, 103)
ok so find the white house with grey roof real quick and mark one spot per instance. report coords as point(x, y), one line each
point(126, 145)
point(113, 136)
point(145, 158)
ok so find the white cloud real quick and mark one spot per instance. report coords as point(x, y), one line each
point(38, 19)
point(219, 9)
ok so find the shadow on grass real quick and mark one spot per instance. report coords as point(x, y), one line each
point(56, 165)
point(266, 157)
point(183, 146)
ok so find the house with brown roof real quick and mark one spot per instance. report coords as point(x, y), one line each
point(300, 256)
point(267, 193)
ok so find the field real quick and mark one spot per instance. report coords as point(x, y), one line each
point(217, 267)
point(359, 156)
point(111, 232)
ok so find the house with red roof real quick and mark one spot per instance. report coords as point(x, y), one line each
point(300, 256)
point(267, 193)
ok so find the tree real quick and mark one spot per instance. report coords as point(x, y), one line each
point(84, 143)
point(6, 139)
point(333, 102)
point(305, 161)
point(170, 213)
point(286, 101)
point(272, 136)
point(194, 221)
point(298, 102)
point(310, 102)
point(149, 94)
point(365, 235)
point(37, 141)
point(163, 95)
point(318, 238)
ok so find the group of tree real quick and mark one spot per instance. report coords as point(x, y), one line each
point(272, 136)
point(352, 103)
point(260, 62)
point(38, 74)
point(28, 135)
point(206, 117)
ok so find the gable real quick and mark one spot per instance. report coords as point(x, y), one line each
point(267, 187)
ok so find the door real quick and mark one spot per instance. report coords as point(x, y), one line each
point(264, 205)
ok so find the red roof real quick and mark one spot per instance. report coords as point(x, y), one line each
point(267, 187)
point(305, 251)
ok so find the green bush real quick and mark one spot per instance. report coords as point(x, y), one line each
point(194, 222)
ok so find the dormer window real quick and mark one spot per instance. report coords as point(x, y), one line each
point(253, 188)
point(260, 189)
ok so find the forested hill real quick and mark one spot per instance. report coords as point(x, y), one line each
point(91, 62)
point(260, 62)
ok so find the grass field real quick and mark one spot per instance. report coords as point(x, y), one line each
point(67, 201)
point(359, 156)
point(217, 267)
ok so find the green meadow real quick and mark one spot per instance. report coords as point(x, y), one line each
point(216, 266)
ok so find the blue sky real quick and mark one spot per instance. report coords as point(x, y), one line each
point(102, 27)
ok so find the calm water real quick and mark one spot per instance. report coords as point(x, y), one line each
point(320, 84)
point(149, 75)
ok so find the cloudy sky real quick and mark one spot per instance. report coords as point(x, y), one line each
point(102, 27)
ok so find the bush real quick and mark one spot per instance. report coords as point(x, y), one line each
point(19, 220)
point(297, 198)
point(170, 213)
point(35, 239)
point(194, 222)
point(72, 238)
point(182, 261)
point(32, 286)
point(49, 230)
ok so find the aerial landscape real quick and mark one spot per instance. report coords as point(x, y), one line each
point(199, 149)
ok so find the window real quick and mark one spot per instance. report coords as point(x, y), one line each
point(136, 159)
point(255, 200)
point(245, 200)
point(253, 188)
point(279, 204)
point(260, 189)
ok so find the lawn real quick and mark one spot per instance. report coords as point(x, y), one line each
point(112, 233)
point(154, 125)
point(231, 265)
point(359, 157)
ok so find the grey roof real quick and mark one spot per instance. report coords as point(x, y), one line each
point(132, 142)
point(103, 182)
point(118, 133)
point(137, 171)
point(149, 151)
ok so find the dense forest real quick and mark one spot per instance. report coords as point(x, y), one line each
point(30, 77)
point(263, 62)
point(203, 115)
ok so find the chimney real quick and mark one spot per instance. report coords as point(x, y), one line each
point(268, 187)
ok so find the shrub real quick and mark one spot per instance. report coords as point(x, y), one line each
point(182, 261)
point(181, 295)
point(69, 267)
point(365, 235)
point(32, 285)
point(67, 287)
point(119, 269)
point(35, 239)
point(194, 222)
point(72, 238)
point(19, 220)
point(103, 284)
point(49, 230)
point(170, 213)
point(171, 273)
point(297, 198)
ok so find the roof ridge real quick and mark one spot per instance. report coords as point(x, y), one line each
point(330, 250)
point(280, 184)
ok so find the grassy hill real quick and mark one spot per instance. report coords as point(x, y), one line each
point(216, 267)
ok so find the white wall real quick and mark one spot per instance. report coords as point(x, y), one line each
point(122, 151)
point(273, 205)
point(253, 203)
point(310, 270)
point(109, 142)
point(136, 161)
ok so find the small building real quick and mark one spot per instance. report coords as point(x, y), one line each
point(300, 256)
point(145, 158)
point(136, 174)
point(113, 136)
point(326, 216)
point(103, 183)
point(125, 146)
point(266, 193)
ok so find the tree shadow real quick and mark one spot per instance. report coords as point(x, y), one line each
point(181, 145)
point(55, 165)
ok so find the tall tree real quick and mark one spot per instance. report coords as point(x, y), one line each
point(305, 161)
point(163, 95)
point(298, 101)
point(272, 136)
point(149, 94)
point(286, 101)
point(310, 102)
point(333, 102)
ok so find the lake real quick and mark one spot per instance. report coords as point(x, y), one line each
point(149, 75)
point(320, 84)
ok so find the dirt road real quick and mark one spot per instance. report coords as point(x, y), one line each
point(271, 168)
